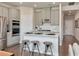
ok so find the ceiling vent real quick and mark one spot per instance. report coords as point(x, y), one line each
point(71, 3)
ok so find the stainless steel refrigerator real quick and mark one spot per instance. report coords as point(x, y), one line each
point(3, 31)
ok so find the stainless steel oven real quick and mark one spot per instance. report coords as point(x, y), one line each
point(15, 27)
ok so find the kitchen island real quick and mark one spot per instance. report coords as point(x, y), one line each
point(42, 38)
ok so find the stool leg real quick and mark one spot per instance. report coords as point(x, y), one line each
point(51, 51)
point(45, 50)
point(33, 50)
point(38, 49)
point(22, 49)
point(28, 48)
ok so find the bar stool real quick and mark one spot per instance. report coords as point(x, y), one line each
point(35, 45)
point(25, 44)
point(47, 46)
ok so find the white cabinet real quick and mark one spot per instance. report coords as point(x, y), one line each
point(0, 44)
point(5, 11)
point(55, 16)
point(38, 18)
point(41, 14)
point(14, 13)
point(45, 13)
point(10, 14)
point(0, 11)
point(12, 40)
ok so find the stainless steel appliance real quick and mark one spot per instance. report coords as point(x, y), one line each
point(3, 31)
point(15, 27)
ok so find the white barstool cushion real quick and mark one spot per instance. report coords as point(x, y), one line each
point(70, 51)
point(76, 49)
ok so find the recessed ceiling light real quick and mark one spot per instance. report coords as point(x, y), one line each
point(35, 5)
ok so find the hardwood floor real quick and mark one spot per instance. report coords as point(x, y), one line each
point(63, 50)
point(17, 52)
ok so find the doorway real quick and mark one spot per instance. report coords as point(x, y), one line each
point(69, 25)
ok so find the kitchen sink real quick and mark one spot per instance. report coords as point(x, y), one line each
point(50, 34)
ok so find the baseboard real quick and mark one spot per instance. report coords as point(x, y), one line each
point(13, 45)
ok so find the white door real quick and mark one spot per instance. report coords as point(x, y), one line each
point(69, 27)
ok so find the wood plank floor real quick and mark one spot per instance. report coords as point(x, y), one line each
point(63, 50)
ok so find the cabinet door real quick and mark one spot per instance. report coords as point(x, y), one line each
point(54, 17)
point(0, 11)
point(46, 13)
point(18, 14)
point(5, 11)
point(14, 13)
point(1, 45)
point(38, 17)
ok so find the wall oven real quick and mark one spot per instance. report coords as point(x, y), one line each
point(15, 27)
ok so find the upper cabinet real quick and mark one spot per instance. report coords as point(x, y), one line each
point(4, 11)
point(38, 16)
point(0, 11)
point(54, 16)
point(46, 13)
point(14, 13)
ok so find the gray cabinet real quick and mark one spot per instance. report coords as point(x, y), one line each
point(14, 13)
point(45, 13)
point(54, 16)
point(38, 17)
point(1, 45)
point(0, 11)
point(12, 40)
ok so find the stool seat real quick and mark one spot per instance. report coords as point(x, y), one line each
point(35, 45)
point(25, 44)
point(35, 42)
point(47, 46)
point(48, 43)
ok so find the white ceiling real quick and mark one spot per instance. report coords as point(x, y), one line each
point(39, 4)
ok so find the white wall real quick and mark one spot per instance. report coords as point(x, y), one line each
point(73, 7)
point(69, 25)
point(77, 29)
point(26, 20)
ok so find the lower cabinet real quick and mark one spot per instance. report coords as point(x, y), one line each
point(12, 40)
point(1, 45)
